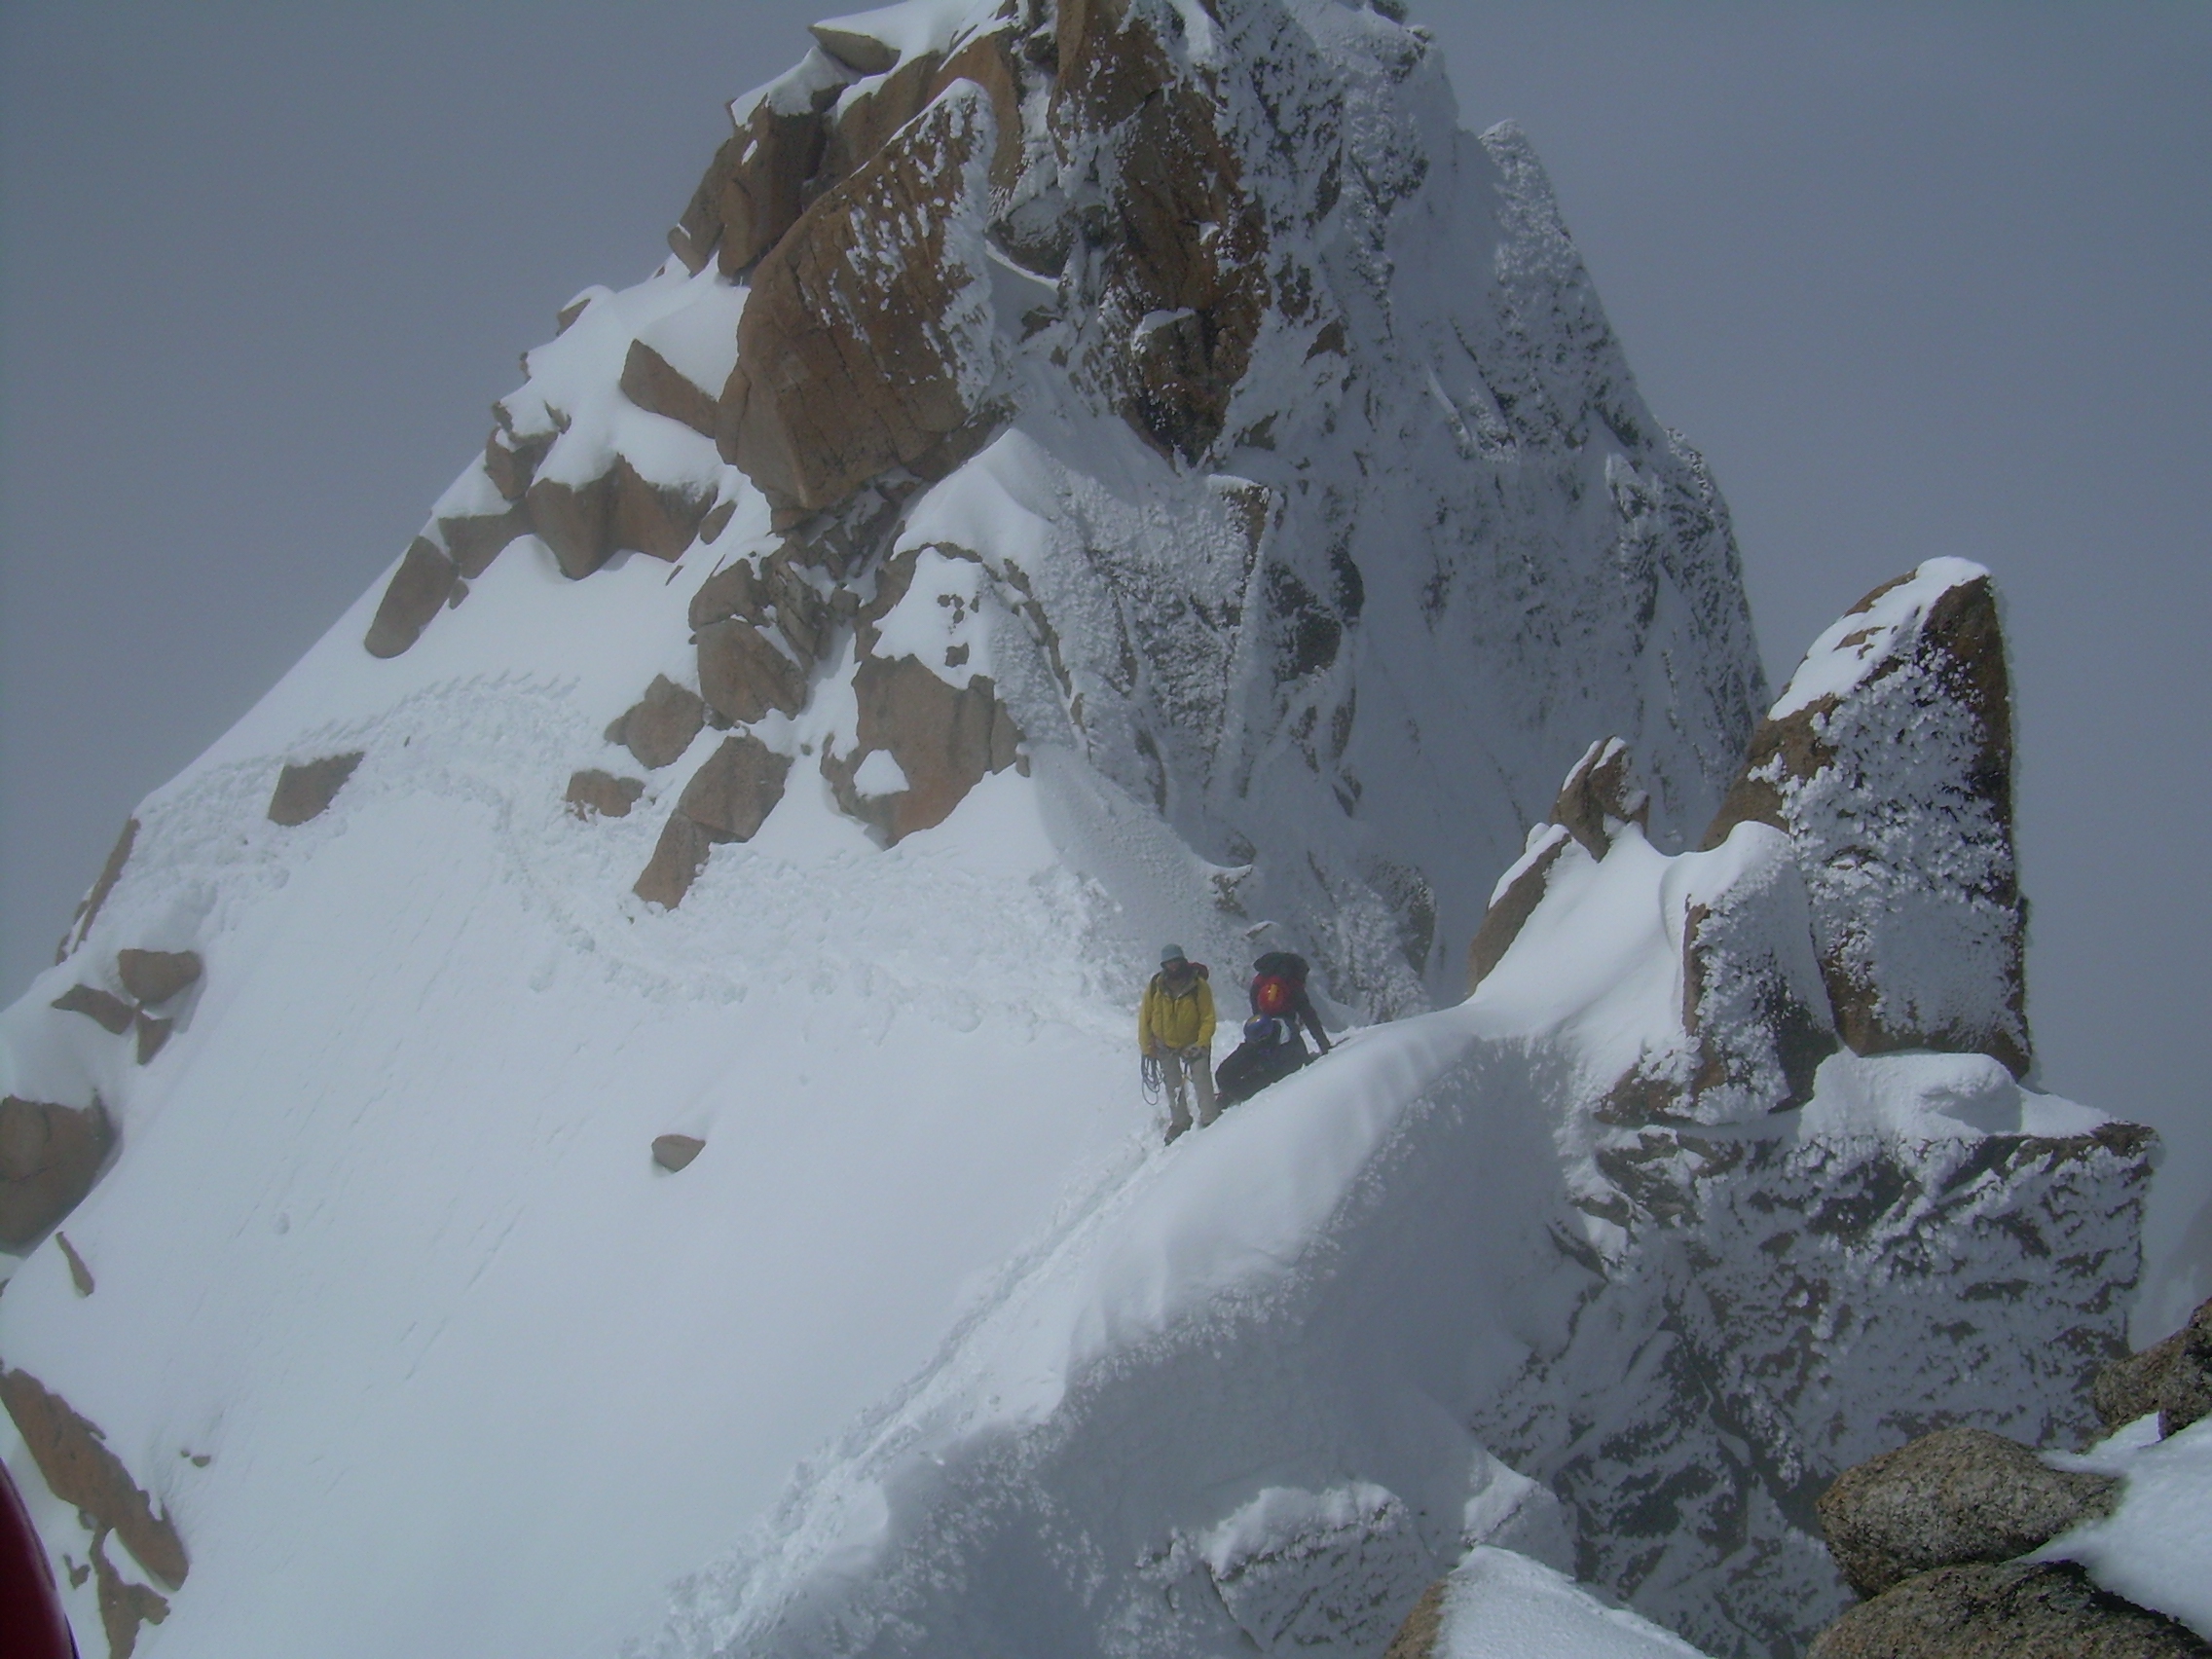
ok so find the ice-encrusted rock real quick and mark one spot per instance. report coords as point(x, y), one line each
point(1889, 760)
point(1787, 1304)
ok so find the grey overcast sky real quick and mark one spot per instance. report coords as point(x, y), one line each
point(1919, 280)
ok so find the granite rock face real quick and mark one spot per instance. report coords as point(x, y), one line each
point(1949, 1499)
point(2013, 1610)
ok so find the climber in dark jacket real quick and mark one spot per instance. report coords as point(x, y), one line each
point(1272, 1046)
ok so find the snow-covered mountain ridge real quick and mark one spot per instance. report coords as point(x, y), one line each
point(1089, 475)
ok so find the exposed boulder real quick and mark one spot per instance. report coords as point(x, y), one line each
point(1954, 1496)
point(306, 789)
point(1519, 891)
point(88, 908)
point(2012, 1611)
point(773, 594)
point(656, 386)
point(602, 795)
point(741, 675)
point(124, 1606)
point(418, 590)
point(1889, 761)
point(859, 50)
point(752, 191)
point(80, 1470)
point(475, 539)
point(510, 459)
point(660, 726)
point(49, 1156)
point(727, 799)
point(867, 342)
point(1752, 999)
point(80, 1276)
point(1599, 799)
point(946, 740)
point(105, 1007)
point(586, 524)
point(2172, 1378)
point(153, 977)
point(153, 1036)
point(676, 1152)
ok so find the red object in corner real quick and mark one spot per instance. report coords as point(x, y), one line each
point(31, 1622)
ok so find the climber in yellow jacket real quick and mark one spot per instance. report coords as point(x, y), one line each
point(1175, 1036)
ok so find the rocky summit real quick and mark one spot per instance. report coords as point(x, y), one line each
point(601, 1117)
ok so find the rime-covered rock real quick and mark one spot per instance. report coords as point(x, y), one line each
point(1889, 761)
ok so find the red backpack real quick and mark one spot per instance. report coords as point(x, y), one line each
point(1273, 995)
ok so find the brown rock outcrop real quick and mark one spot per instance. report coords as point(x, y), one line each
point(510, 460)
point(656, 386)
point(418, 590)
point(676, 1152)
point(81, 1470)
point(88, 908)
point(105, 1007)
point(865, 325)
point(306, 789)
point(124, 1606)
point(2013, 1610)
point(1599, 796)
point(660, 726)
point(153, 1036)
point(153, 977)
point(49, 1156)
point(602, 795)
point(752, 191)
point(475, 539)
point(1949, 1499)
point(946, 740)
point(1509, 912)
point(2172, 1378)
point(727, 799)
point(587, 524)
point(775, 594)
point(1894, 784)
point(741, 675)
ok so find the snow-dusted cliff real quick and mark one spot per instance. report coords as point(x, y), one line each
point(1089, 475)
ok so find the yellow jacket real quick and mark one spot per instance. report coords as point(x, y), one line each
point(1168, 1020)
